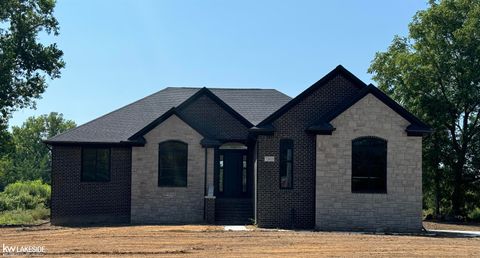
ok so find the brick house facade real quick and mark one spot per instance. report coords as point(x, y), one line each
point(74, 201)
point(233, 156)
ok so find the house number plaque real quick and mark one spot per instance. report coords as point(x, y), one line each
point(269, 159)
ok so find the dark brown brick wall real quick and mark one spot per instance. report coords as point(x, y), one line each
point(75, 202)
point(295, 208)
point(208, 116)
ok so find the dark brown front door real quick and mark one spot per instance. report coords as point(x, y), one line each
point(232, 174)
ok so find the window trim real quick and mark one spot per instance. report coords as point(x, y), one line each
point(109, 164)
point(385, 191)
point(186, 165)
point(284, 144)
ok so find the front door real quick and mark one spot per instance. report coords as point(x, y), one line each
point(232, 174)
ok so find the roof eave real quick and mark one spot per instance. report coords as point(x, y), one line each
point(264, 130)
point(415, 130)
point(138, 142)
point(210, 143)
point(321, 129)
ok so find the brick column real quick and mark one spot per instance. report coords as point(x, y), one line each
point(210, 209)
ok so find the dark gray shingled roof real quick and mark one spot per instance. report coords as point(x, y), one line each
point(117, 126)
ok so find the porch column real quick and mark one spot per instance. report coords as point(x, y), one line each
point(209, 186)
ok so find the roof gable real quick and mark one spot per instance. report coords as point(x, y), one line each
point(339, 70)
point(416, 128)
point(178, 112)
point(220, 102)
point(138, 136)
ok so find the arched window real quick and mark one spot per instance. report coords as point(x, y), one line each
point(369, 165)
point(172, 164)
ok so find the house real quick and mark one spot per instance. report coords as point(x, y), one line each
point(340, 156)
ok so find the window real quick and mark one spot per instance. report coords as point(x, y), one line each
point(286, 163)
point(220, 175)
point(95, 165)
point(172, 164)
point(369, 165)
point(244, 174)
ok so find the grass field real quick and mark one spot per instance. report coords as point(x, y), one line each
point(212, 241)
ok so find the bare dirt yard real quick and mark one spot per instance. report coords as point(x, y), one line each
point(213, 241)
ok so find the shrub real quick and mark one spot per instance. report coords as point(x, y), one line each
point(23, 217)
point(474, 214)
point(6, 203)
point(25, 195)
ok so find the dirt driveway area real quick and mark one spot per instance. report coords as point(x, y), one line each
point(213, 241)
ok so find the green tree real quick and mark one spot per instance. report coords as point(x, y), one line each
point(31, 158)
point(6, 145)
point(6, 151)
point(435, 72)
point(24, 60)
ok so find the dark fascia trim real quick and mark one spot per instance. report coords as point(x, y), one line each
point(416, 128)
point(139, 142)
point(264, 130)
point(339, 70)
point(238, 140)
point(156, 122)
point(413, 130)
point(209, 143)
point(205, 91)
point(322, 129)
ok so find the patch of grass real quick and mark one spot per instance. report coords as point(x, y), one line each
point(428, 214)
point(23, 217)
point(474, 214)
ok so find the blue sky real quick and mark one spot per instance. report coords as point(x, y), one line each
point(119, 51)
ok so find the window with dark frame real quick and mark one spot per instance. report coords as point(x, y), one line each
point(220, 175)
point(244, 173)
point(369, 165)
point(95, 164)
point(172, 164)
point(286, 163)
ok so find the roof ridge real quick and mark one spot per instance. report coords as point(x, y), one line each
point(219, 88)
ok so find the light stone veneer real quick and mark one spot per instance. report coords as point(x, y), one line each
point(337, 208)
point(168, 205)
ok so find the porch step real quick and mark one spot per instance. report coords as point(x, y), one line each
point(233, 211)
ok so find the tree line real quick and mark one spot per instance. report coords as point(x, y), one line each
point(24, 156)
point(435, 73)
